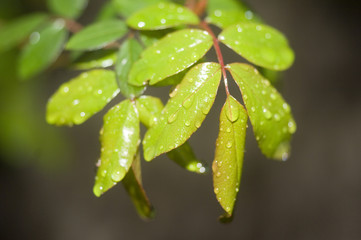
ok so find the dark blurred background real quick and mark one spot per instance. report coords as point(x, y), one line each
point(316, 194)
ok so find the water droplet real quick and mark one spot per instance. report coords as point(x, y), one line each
point(219, 164)
point(163, 21)
point(82, 114)
point(291, 126)
point(245, 97)
point(99, 162)
point(229, 145)
point(228, 209)
point(286, 107)
point(190, 80)
point(267, 114)
point(248, 14)
point(103, 173)
point(206, 109)
point(172, 117)
point(161, 147)
point(253, 109)
point(273, 96)
point(34, 38)
point(141, 24)
point(187, 123)
point(228, 130)
point(216, 190)
point(65, 89)
point(277, 117)
point(263, 92)
point(100, 91)
point(218, 174)
point(188, 102)
point(76, 102)
point(116, 176)
point(239, 29)
point(258, 27)
point(198, 124)
point(267, 35)
point(237, 189)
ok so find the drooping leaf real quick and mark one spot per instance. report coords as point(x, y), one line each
point(162, 15)
point(170, 55)
point(95, 59)
point(228, 161)
point(184, 113)
point(128, 53)
point(259, 44)
point(67, 8)
point(132, 182)
point(43, 49)
point(127, 8)
point(15, 32)
point(77, 100)
point(97, 35)
point(224, 13)
point(185, 157)
point(119, 139)
point(271, 118)
point(149, 108)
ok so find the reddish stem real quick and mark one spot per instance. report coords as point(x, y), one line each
point(219, 54)
point(73, 26)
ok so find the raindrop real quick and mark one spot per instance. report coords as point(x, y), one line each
point(188, 102)
point(116, 176)
point(291, 126)
point(103, 173)
point(75, 102)
point(141, 24)
point(163, 21)
point(286, 107)
point(198, 124)
point(216, 190)
point(253, 109)
point(228, 130)
point(237, 189)
point(218, 174)
point(187, 123)
point(220, 164)
point(267, 113)
point(273, 96)
point(172, 117)
point(229, 145)
point(100, 91)
point(206, 109)
point(66, 89)
point(277, 117)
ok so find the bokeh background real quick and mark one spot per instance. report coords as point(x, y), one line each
point(46, 177)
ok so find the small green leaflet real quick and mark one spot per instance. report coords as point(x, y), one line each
point(97, 35)
point(259, 44)
point(271, 118)
point(95, 59)
point(184, 113)
point(227, 165)
point(67, 8)
point(149, 108)
point(127, 8)
point(43, 49)
point(128, 53)
point(162, 15)
point(77, 100)
point(15, 32)
point(170, 55)
point(132, 182)
point(119, 139)
point(224, 13)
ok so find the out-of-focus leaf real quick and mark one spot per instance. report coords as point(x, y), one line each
point(162, 15)
point(80, 98)
point(148, 38)
point(228, 161)
point(271, 118)
point(132, 182)
point(95, 59)
point(259, 44)
point(149, 108)
point(108, 11)
point(185, 157)
point(224, 13)
point(127, 8)
point(273, 76)
point(184, 113)
point(67, 8)
point(170, 55)
point(15, 32)
point(97, 35)
point(128, 53)
point(119, 139)
point(43, 49)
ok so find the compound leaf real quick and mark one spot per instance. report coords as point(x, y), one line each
point(227, 165)
point(119, 139)
point(67, 8)
point(132, 183)
point(127, 8)
point(15, 32)
point(43, 49)
point(77, 100)
point(95, 59)
point(224, 13)
point(170, 55)
point(97, 35)
point(128, 53)
point(184, 113)
point(259, 44)
point(270, 115)
point(162, 15)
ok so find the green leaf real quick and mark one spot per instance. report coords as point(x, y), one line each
point(270, 115)
point(107, 11)
point(162, 15)
point(77, 100)
point(119, 140)
point(132, 182)
point(15, 32)
point(148, 38)
point(127, 8)
point(97, 35)
point(185, 157)
point(224, 13)
point(95, 59)
point(43, 49)
point(67, 8)
point(128, 53)
point(259, 44)
point(149, 108)
point(170, 55)
point(228, 161)
point(184, 113)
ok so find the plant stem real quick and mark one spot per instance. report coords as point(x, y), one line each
point(73, 26)
point(219, 54)
point(198, 7)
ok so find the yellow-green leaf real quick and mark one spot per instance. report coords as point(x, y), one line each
point(184, 113)
point(149, 108)
point(271, 118)
point(170, 55)
point(260, 44)
point(127, 7)
point(119, 139)
point(228, 161)
point(77, 100)
point(162, 15)
point(95, 59)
